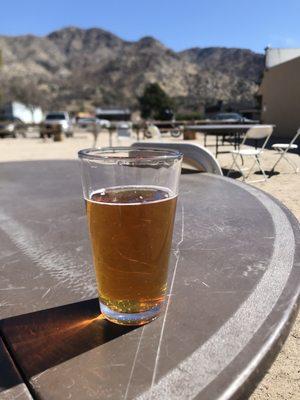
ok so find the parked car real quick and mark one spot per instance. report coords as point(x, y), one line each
point(12, 126)
point(54, 120)
point(230, 117)
point(86, 122)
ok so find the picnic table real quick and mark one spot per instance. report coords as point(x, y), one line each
point(234, 290)
point(221, 130)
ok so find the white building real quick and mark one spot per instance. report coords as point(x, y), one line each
point(113, 114)
point(29, 115)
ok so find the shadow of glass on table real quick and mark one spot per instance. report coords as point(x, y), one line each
point(43, 339)
point(9, 376)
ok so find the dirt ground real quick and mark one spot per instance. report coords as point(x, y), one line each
point(282, 381)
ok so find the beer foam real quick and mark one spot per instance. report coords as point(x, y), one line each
point(131, 195)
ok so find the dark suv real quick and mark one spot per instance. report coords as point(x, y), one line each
point(12, 126)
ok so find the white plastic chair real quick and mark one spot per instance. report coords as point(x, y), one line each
point(193, 154)
point(283, 149)
point(256, 132)
point(153, 132)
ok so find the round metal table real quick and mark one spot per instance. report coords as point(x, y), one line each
point(234, 290)
point(222, 130)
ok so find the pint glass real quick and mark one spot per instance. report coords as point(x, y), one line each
point(130, 196)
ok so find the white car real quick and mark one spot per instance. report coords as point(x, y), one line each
point(57, 118)
point(86, 122)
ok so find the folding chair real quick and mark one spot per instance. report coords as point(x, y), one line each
point(153, 132)
point(256, 132)
point(282, 149)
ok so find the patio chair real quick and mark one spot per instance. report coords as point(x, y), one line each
point(282, 149)
point(256, 133)
point(153, 132)
point(193, 154)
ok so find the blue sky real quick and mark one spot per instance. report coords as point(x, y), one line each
point(179, 24)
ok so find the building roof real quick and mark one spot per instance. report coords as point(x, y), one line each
point(112, 111)
point(278, 56)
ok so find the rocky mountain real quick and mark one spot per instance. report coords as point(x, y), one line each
point(241, 63)
point(79, 68)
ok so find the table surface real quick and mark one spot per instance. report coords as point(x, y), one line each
point(234, 279)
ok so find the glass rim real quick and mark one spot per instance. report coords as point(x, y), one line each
point(106, 154)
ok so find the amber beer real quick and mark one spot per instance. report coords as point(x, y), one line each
point(131, 232)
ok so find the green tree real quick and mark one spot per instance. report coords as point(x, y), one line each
point(155, 103)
